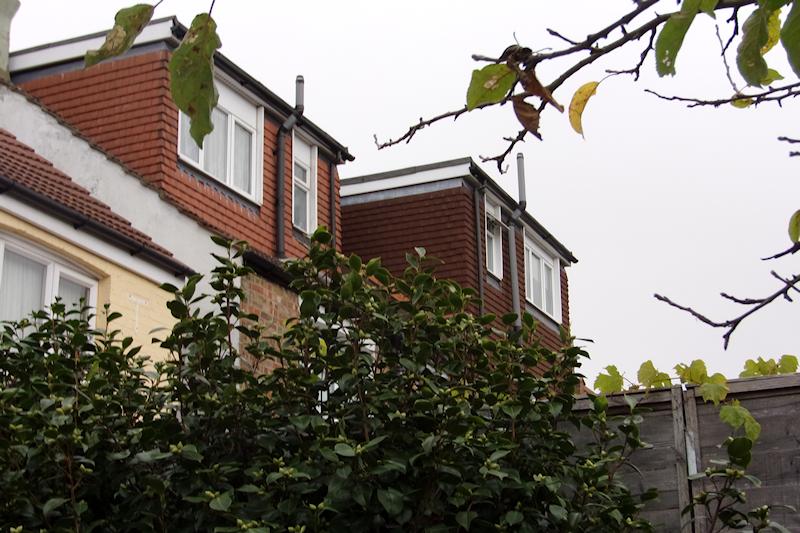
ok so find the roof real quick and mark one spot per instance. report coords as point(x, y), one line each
point(37, 182)
point(464, 167)
point(170, 31)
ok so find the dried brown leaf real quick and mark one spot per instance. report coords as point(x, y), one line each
point(532, 84)
point(527, 115)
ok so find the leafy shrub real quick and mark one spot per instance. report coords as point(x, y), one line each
point(393, 408)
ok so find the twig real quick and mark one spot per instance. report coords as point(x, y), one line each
point(512, 141)
point(789, 285)
point(735, 19)
point(554, 33)
point(789, 140)
point(793, 249)
point(636, 71)
point(723, 47)
point(773, 94)
point(210, 9)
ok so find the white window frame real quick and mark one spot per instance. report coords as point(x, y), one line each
point(545, 259)
point(256, 147)
point(55, 269)
point(310, 187)
point(494, 253)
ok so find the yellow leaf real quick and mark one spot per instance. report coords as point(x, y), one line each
point(578, 104)
point(741, 102)
point(773, 31)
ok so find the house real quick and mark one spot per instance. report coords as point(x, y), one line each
point(461, 216)
point(266, 174)
point(58, 241)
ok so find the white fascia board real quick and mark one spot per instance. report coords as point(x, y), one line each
point(405, 180)
point(76, 49)
point(85, 240)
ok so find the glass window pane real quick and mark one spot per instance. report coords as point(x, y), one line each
point(215, 146)
point(300, 217)
point(536, 280)
point(21, 287)
point(300, 173)
point(71, 293)
point(188, 147)
point(528, 288)
point(548, 289)
point(242, 159)
point(490, 251)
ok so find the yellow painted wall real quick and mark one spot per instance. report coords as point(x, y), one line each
point(141, 301)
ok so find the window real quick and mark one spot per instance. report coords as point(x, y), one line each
point(494, 239)
point(542, 280)
point(304, 185)
point(31, 279)
point(230, 153)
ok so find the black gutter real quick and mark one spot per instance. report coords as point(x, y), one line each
point(81, 221)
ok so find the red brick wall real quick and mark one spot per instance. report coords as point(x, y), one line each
point(125, 107)
point(442, 222)
point(274, 305)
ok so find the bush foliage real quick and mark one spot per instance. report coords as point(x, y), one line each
point(394, 408)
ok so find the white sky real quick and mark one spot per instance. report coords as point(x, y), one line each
point(658, 198)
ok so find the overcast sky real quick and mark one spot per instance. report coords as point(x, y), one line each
point(658, 198)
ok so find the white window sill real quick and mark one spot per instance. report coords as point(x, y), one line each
point(202, 174)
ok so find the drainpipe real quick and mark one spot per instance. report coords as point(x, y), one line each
point(286, 128)
point(8, 8)
point(512, 241)
point(477, 196)
point(332, 174)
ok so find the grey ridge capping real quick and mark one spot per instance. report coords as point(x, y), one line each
point(473, 171)
point(64, 54)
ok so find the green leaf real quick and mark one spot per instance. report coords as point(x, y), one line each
point(787, 364)
point(696, 372)
point(192, 75)
point(670, 39)
point(790, 37)
point(737, 416)
point(391, 500)
point(794, 226)
point(610, 382)
point(221, 502)
point(739, 451)
point(715, 389)
point(772, 76)
point(52, 504)
point(465, 518)
point(649, 377)
point(558, 512)
point(128, 23)
point(514, 517)
point(489, 85)
point(755, 36)
point(189, 451)
point(344, 449)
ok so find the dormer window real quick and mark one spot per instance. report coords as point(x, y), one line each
point(230, 152)
point(542, 280)
point(494, 239)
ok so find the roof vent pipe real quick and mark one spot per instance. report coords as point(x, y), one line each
point(286, 127)
point(523, 202)
point(8, 8)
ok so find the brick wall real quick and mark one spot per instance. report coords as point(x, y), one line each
point(125, 107)
point(274, 304)
point(443, 223)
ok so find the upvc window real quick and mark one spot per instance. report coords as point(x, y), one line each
point(31, 280)
point(542, 280)
point(230, 153)
point(494, 239)
point(304, 185)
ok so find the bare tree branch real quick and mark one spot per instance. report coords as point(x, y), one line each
point(789, 140)
point(773, 94)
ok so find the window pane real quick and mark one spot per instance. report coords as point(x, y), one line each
point(215, 146)
point(21, 287)
point(242, 159)
point(490, 251)
point(548, 289)
point(71, 293)
point(536, 280)
point(300, 217)
point(300, 173)
point(528, 288)
point(188, 147)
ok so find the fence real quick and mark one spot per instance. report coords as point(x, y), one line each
point(685, 433)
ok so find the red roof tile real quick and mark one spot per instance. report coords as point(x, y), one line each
point(26, 169)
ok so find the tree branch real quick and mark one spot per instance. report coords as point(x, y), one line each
point(773, 94)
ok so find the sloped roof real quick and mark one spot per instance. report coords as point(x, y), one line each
point(36, 181)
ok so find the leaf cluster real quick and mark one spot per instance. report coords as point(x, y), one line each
point(392, 407)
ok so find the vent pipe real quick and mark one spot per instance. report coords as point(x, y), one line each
point(286, 127)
